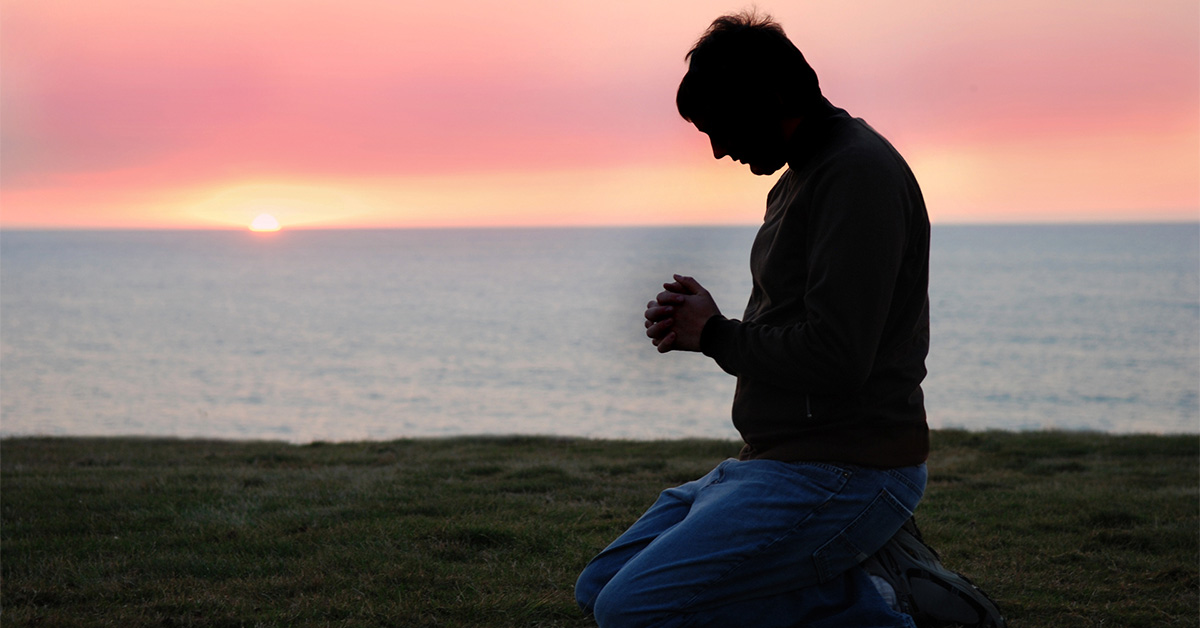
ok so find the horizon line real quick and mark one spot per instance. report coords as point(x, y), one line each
point(450, 227)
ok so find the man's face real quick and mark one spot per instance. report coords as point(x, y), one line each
point(758, 143)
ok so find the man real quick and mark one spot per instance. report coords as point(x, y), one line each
point(810, 526)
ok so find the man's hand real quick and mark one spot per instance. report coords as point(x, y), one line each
point(675, 319)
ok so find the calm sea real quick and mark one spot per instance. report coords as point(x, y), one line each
point(340, 335)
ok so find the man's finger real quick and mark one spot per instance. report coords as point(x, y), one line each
point(690, 285)
point(664, 345)
point(658, 312)
point(669, 298)
point(660, 328)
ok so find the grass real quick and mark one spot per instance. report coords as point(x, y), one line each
point(1063, 529)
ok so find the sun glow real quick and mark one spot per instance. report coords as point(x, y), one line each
point(264, 222)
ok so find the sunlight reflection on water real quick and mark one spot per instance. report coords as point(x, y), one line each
point(328, 335)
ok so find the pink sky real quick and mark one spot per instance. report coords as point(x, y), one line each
point(142, 113)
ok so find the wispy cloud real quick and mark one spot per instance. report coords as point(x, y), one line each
point(130, 112)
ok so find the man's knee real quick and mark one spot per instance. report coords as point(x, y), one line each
point(612, 610)
point(587, 587)
point(619, 606)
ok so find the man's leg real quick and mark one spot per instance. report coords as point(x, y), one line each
point(764, 543)
point(671, 507)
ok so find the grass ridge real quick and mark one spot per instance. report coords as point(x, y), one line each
point(1063, 528)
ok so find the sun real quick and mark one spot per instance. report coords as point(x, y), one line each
point(264, 222)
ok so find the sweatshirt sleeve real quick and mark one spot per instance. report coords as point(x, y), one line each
point(856, 231)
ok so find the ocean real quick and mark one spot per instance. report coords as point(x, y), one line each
point(347, 335)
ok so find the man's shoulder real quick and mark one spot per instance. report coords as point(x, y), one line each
point(856, 149)
point(854, 139)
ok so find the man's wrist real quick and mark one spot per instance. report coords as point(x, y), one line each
point(709, 334)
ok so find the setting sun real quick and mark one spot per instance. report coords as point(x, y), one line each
point(264, 222)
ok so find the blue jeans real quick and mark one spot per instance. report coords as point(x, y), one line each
point(756, 543)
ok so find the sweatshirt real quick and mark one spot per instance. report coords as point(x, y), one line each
point(830, 353)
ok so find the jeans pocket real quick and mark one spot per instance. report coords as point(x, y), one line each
point(869, 531)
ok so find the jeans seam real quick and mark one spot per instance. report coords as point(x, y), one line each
point(884, 499)
point(909, 484)
point(717, 479)
point(832, 468)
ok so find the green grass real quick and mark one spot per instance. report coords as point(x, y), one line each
point(1063, 529)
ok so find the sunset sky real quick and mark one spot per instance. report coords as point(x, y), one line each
point(386, 113)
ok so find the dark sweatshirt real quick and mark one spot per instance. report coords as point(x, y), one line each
point(831, 350)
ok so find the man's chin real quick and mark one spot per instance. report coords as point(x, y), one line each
point(763, 170)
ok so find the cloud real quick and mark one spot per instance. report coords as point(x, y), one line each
point(124, 100)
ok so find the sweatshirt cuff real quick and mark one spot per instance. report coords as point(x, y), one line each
point(716, 335)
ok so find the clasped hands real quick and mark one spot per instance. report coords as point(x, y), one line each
point(675, 319)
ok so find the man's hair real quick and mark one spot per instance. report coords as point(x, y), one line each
point(744, 63)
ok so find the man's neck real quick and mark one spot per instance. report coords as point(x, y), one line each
point(790, 125)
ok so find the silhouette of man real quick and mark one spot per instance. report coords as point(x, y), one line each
point(811, 525)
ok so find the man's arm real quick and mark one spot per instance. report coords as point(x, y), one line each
point(858, 239)
point(858, 232)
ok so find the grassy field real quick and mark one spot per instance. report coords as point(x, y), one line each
point(1063, 529)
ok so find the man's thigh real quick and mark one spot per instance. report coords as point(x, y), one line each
point(671, 507)
point(754, 530)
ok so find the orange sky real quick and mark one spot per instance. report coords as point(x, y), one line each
point(365, 113)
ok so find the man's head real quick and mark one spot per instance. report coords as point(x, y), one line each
point(746, 87)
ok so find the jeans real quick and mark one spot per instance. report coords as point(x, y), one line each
point(756, 543)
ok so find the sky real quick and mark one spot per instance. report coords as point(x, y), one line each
point(391, 113)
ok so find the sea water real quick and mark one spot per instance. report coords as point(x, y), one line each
point(343, 335)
